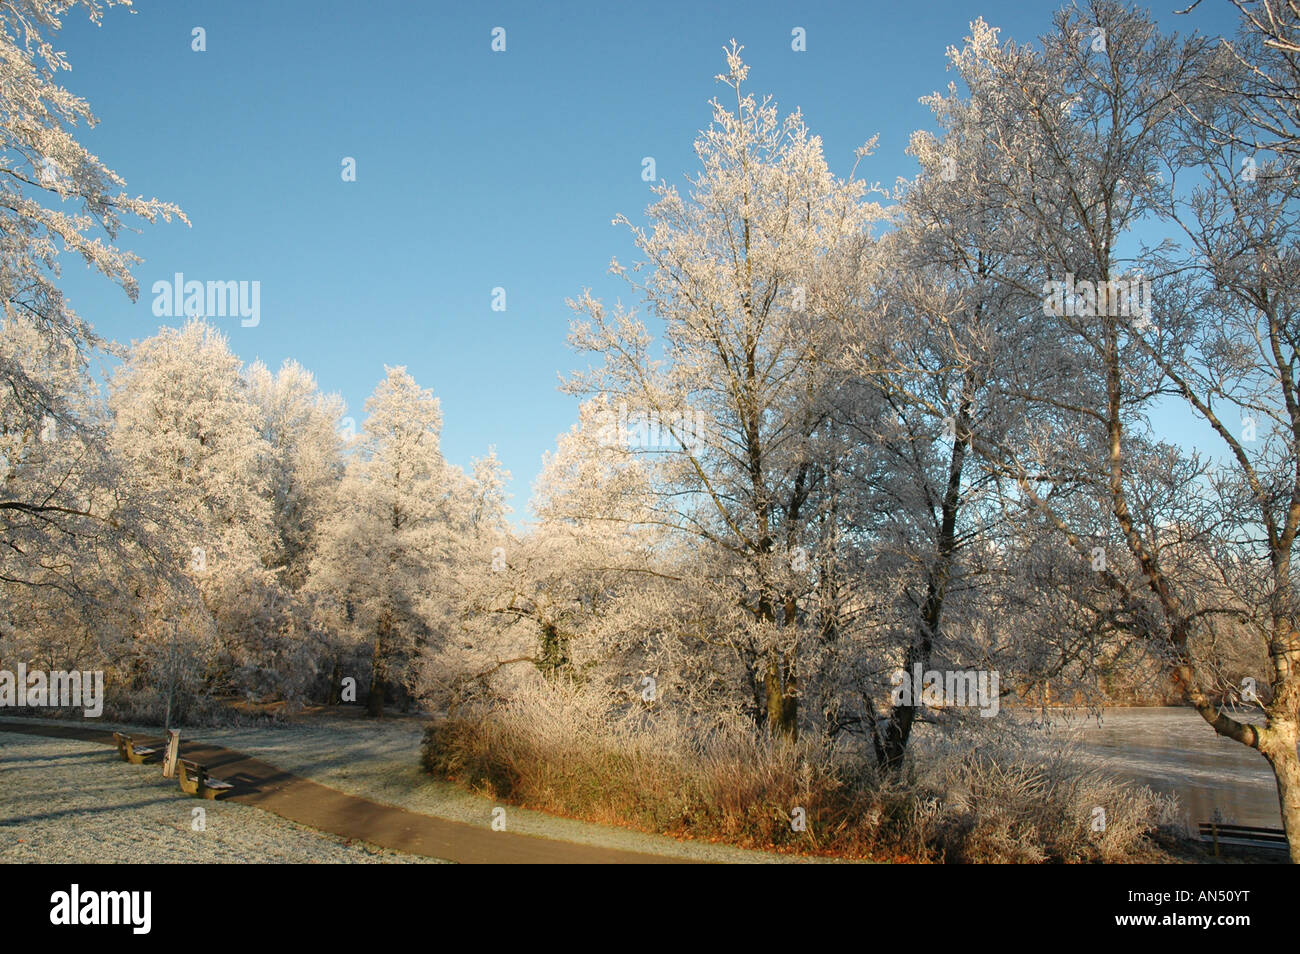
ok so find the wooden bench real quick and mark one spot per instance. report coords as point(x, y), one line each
point(129, 751)
point(195, 780)
point(1244, 835)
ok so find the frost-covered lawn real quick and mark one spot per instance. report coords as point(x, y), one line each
point(379, 760)
point(67, 801)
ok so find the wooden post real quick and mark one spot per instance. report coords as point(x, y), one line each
point(173, 752)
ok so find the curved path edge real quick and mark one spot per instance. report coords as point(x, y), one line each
point(349, 816)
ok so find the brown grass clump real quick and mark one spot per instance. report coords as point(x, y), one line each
point(560, 753)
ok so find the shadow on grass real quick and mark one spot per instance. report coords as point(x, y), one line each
point(11, 821)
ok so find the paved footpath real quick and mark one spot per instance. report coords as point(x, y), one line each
point(327, 809)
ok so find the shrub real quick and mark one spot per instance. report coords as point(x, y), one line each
point(561, 751)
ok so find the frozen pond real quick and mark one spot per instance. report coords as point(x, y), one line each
point(1175, 750)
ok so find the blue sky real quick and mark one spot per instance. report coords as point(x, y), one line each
point(474, 169)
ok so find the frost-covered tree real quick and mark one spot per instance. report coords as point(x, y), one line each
point(736, 413)
point(185, 423)
point(301, 427)
point(387, 547)
point(58, 198)
point(595, 596)
point(1263, 78)
point(489, 508)
point(948, 357)
point(79, 573)
point(1111, 124)
point(1228, 311)
point(58, 201)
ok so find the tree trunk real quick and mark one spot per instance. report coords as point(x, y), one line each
point(378, 684)
point(336, 683)
point(892, 747)
point(554, 651)
point(1278, 745)
point(782, 704)
point(778, 678)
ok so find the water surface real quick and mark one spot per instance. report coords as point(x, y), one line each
point(1175, 750)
